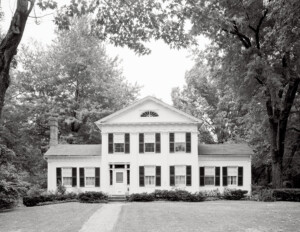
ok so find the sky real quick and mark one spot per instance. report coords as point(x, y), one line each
point(156, 73)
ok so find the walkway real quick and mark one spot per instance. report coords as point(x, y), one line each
point(103, 219)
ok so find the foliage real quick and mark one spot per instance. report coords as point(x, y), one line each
point(287, 194)
point(234, 194)
point(93, 197)
point(45, 197)
point(168, 195)
point(264, 194)
point(9, 195)
point(61, 189)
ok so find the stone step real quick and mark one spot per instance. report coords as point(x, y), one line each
point(117, 198)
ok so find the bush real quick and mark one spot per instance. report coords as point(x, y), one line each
point(61, 189)
point(34, 200)
point(93, 197)
point(287, 194)
point(9, 195)
point(234, 194)
point(141, 197)
point(172, 195)
point(264, 195)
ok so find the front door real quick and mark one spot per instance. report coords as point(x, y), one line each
point(119, 182)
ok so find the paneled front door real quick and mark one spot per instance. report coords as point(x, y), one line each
point(119, 181)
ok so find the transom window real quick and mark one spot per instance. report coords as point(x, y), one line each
point(209, 178)
point(232, 173)
point(67, 177)
point(180, 175)
point(149, 114)
point(149, 175)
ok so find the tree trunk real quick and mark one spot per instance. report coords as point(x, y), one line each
point(10, 43)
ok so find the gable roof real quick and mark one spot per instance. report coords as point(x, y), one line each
point(139, 102)
point(74, 150)
point(224, 149)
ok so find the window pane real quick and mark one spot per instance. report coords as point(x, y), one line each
point(90, 181)
point(232, 171)
point(149, 138)
point(179, 137)
point(179, 180)
point(90, 172)
point(231, 180)
point(67, 181)
point(119, 147)
point(179, 147)
point(119, 138)
point(67, 172)
point(149, 147)
point(209, 180)
point(180, 170)
point(149, 170)
point(149, 180)
point(209, 171)
point(119, 177)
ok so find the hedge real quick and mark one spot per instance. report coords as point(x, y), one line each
point(234, 194)
point(39, 200)
point(93, 197)
point(287, 194)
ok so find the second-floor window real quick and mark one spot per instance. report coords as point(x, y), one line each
point(119, 143)
point(180, 142)
point(149, 142)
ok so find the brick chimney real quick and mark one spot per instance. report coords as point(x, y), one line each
point(53, 130)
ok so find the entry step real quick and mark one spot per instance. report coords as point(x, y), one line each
point(117, 198)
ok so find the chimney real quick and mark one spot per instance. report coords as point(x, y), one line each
point(53, 130)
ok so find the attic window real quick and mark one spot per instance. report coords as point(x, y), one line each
point(149, 114)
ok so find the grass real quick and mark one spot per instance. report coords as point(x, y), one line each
point(49, 218)
point(209, 216)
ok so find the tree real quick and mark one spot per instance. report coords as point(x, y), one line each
point(255, 41)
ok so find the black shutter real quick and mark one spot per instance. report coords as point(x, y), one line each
point(240, 176)
point(217, 176)
point(171, 138)
point(110, 177)
point(127, 143)
point(189, 175)
point(128, 177)
point(81, 177)
point(141, 143)
point(157, 176)
point(188, 142)
point(142, 176)
point(58, 176)
point(110, 143)
point(157, 142)
point(172, 176)
point(97, 177)
point(202, 175)
point(224, 171)
point(74, 177)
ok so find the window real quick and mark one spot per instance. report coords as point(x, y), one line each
point(89, 176)
point(149, 114)
point(149, 175)
point(180, 142)
point(149, 140)
point(209, 178)
point(232, 175)
point(119, 143)
point(67, 177)
point(180, 173)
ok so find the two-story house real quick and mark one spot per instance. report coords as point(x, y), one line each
point(146, 146)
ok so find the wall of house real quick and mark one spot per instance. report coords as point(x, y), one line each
point(226, 161)
point(78, 162)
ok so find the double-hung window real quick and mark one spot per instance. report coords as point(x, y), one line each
point(149, 176)
point(232, 173)
point(89, 177)
point(209, 178)
point(180, 144)
point(180, 175)
point(119, 141)
point(149, 139)
point(67, 177)
point(149, 142)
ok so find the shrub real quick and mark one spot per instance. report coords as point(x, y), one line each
point(92, 197)
point(172, 195)
point(9, 195)
point(265, 195)
point(234, 194)
point(141, 197)
point(61, 189)
point(287, 194)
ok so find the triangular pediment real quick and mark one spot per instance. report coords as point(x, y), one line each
point(148, 110)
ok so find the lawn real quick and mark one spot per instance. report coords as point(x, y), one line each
point(49, 218)
point(210, 216)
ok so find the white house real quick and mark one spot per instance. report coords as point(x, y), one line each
point(147, 146)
